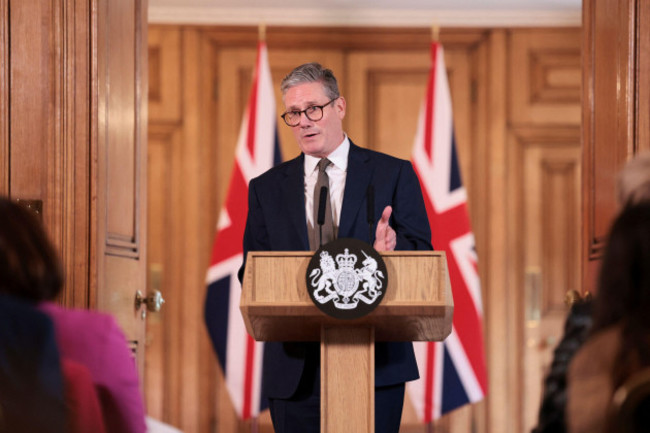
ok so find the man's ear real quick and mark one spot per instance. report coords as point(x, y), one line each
point(340, 107)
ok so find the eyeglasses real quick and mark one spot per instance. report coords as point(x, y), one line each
point(313, 113)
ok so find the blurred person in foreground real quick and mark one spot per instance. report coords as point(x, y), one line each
point(31, 382)
point(619, 342)
point(633, 187)
point(30, 270)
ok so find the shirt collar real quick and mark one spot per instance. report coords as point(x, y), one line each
point(339, 157)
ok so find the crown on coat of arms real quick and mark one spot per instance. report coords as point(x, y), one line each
point(346, 260)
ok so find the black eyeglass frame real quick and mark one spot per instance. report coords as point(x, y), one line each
point(299, 113)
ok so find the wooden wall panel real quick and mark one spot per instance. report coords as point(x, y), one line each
point(501, 334)
point(561, 249)
point(35, 121)
point(165, 67)
point(643, 79)
point(545, 192)
point(180, 383)
point(545, 76)
point(386, 91)
point(121, 145)
point(194, 164)
point(162, 358)
point(78, 138)
point(45, 112)
point(4, 97)
point(36, 145)
point(544, 161)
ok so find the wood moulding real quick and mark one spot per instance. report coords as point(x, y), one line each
point(366, 38)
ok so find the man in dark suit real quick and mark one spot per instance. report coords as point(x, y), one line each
point(281, 218)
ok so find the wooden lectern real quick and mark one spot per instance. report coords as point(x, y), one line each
point(417, 306)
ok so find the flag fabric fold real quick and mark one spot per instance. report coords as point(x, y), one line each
point(240, 357)
point(453, 372)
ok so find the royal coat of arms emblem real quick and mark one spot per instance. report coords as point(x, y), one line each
point(346, 278)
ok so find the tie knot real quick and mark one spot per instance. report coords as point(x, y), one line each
point(322, 164)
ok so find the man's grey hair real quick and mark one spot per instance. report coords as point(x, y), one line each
point(312, 73)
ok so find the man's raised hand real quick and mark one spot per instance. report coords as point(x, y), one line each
point(385, 236)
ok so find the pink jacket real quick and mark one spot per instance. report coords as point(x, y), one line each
point(95, 340)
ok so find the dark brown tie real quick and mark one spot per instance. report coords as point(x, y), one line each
point(328, 226)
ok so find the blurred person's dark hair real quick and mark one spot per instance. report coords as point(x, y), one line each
point(29, 265)
point(624, 288)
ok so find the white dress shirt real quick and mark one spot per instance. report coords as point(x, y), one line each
point(336, 171)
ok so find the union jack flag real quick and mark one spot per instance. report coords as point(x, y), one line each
point(452, 373)
point(257, 150)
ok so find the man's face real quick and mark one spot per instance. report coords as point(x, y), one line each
point(316, 138)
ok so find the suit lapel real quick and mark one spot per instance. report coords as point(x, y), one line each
point(293, 190)
point(360, 170)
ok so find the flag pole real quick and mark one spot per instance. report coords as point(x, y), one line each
point(261, 34)
point(261, 30)
point(435, 32)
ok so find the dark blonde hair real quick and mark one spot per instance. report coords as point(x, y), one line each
point(634, 180)
point(29, 265)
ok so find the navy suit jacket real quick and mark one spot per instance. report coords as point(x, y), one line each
point(277, 222)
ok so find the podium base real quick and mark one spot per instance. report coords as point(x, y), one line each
point(347, 379)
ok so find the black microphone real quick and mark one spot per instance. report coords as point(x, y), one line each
point(321, 211)
point(370, 211)
point(321, 205)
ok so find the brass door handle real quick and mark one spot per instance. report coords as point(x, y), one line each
point(154, 301)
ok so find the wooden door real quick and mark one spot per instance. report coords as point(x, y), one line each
point(616, 111)
point(119, 192)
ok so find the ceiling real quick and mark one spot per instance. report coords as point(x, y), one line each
point(463, 13)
